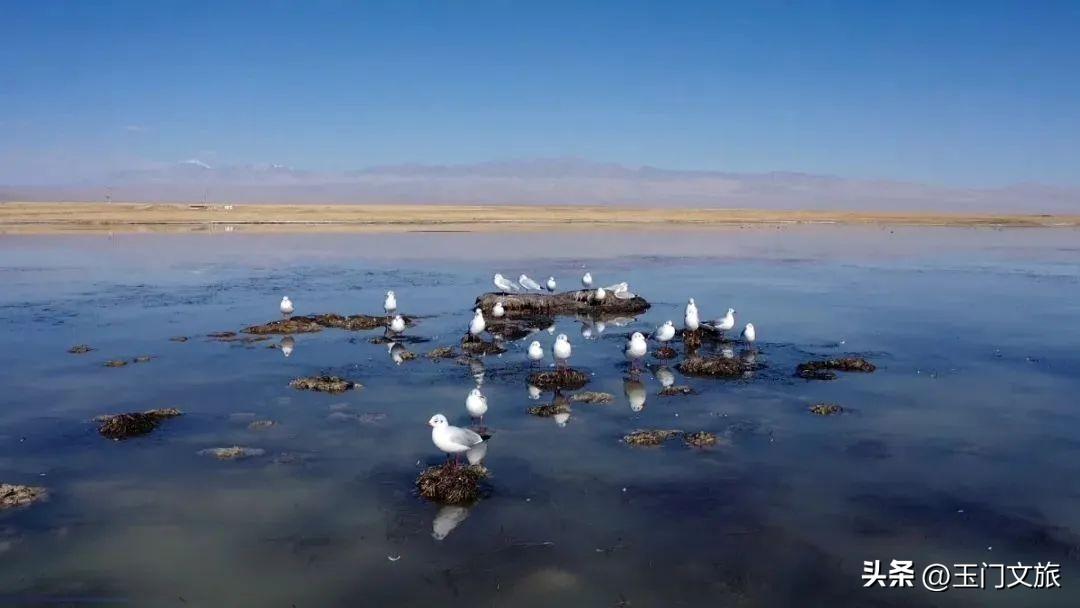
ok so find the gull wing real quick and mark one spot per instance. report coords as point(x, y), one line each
point(463, 437)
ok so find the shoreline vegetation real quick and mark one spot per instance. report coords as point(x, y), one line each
point(56, 218)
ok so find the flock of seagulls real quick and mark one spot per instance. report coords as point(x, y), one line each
point(455, 441)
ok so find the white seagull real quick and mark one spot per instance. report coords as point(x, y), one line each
point(536, 352)
point(498, 311)
point(528, 283)
point(286, 306)
point(749, 334)
point(477, 325)
point(551, 284)
point(691, 318)
point(726, 323)
point(599, 294)
point(452, 439)
point(665, 333)
point(476, 404)
point(561, 349)
point(504, 284)
point(390, 303)
point(586, 280)
point(397, 324)
point(636, 348)
point(621, 291)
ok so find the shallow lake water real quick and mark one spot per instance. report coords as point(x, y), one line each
point(963, 447)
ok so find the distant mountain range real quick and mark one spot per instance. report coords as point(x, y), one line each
point(556, 181)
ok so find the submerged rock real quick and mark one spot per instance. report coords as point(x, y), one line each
point(314, 323)
point(517, 328)
point(80, 349)
point(650, 437)
point(700, 439)
point(714, 367)
point(232, 453)
point(19, 496)
point(824, 369)
point(476, 346)
point(665, 352)
point(566, 378)
point(451, 483)
point(443, 352)
point(115, 363)
point(550, 409)
point(676, 391)
point(142, 359)
point(178, 339)
point(221, 335)
point(324, 384)
point(132, 424)
point(826, 409)
point(593, 397)
point(256, 425)
point(565, 303)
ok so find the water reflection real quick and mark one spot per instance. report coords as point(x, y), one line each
point(534, 392)
point(397, 352)
point(287, 344)
point(448, 518)
point(664, 376)
point(476, 368)
point(635, 393)
point(477, 453)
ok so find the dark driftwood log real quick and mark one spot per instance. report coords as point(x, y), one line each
point(565, 303)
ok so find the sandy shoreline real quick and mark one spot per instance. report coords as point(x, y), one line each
point(53, 218)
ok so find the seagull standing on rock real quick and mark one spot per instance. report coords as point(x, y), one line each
point(561, 349)
point(749, 334)
point(476, 404)
point(477, 325)
point(551, 284)
point(452, 439)
point(536, 352)
point(636, 348)
point(498, 311)
point(286, 306)
point(397, 324)
point(504, 284)
point(586, 280)
point(691, 318)
point(727, 323)
point(665, 333)
point(528, 283)
point(390, 303)
point(599, 294)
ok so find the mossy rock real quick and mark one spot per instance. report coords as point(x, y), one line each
point(235, 452)
point(12, 496)
point(665, 352)
point(713, 367)
point(540, 305)
point(676, 391)
point(563, 378)
point(451, 483)
point(116, 363)
point(443, 352)
point(700, 439)
point(826, 409)
point(550, 409)
point(825, 369)
point(314, 323)
point(80, 349)
point(475, 346)
point(647, 438)
point(593, 397)
point(324, 384)
point(133, 424)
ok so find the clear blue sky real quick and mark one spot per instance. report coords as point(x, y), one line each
point(965, 93)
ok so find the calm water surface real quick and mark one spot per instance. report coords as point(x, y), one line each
point(963, 447)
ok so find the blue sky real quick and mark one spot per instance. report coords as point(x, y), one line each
point(956, 93)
